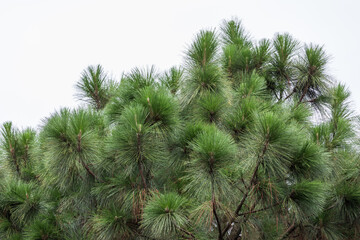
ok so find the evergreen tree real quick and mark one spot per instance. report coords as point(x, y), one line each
point(247, 140)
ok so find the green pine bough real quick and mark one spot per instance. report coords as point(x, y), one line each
point(247, 140)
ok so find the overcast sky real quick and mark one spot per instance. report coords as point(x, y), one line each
point(45, 45)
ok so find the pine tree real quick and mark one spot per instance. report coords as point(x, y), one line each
point(247, 140)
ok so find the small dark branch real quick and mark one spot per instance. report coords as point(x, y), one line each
point(140, 166)
point(304, 93)
point(211, 162)
point(243, 182)
point(79, 149)
point(259, 210)
point(88, 169)
point(97, 101)
point(292, 92)
point(187, 233)
point(242, 201)
point(242, 191)
point(217, 219)
point(213, 199)
point(97, 97)
point(251, 184)
point(142, 175)
point(238, 232)
point(288, 231)
point(13, 155)
point(260, 157)
point(245, 196)
point(288, 80)
point(26, 155)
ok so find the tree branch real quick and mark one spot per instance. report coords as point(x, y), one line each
point(288, 231)
point(187, 233)
point(259, 210)
point(140, 161)
point(213, 200)
point(304, 93)
point(79, 150)
point(260, 157)
point(13, 155)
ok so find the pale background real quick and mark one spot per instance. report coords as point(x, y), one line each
point(45, 44)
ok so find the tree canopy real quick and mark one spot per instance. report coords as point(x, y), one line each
point(246, 140)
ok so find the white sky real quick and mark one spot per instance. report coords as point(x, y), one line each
point(45, 44)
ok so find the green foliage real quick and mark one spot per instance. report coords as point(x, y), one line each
point(203, 73)
point(281, 72)
point(247, 139)
point(42, 229)
point(20, 204)
point(128, 89)
point(347, 199)
point(172, 79)
point(306, 198)
point(212, 151)
point(312, 77)
point(162, 107)
point(94, 87)
point(270, 143)
point(112, 223)
point(133, 142)
point(165, 215)
point(17, 147)
point(210, 108)
point(252, 85)
point(233, 32)
point(309, 162)
point(203, 50)
point(72, 148)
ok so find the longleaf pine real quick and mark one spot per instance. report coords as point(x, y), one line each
point(246, 140)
